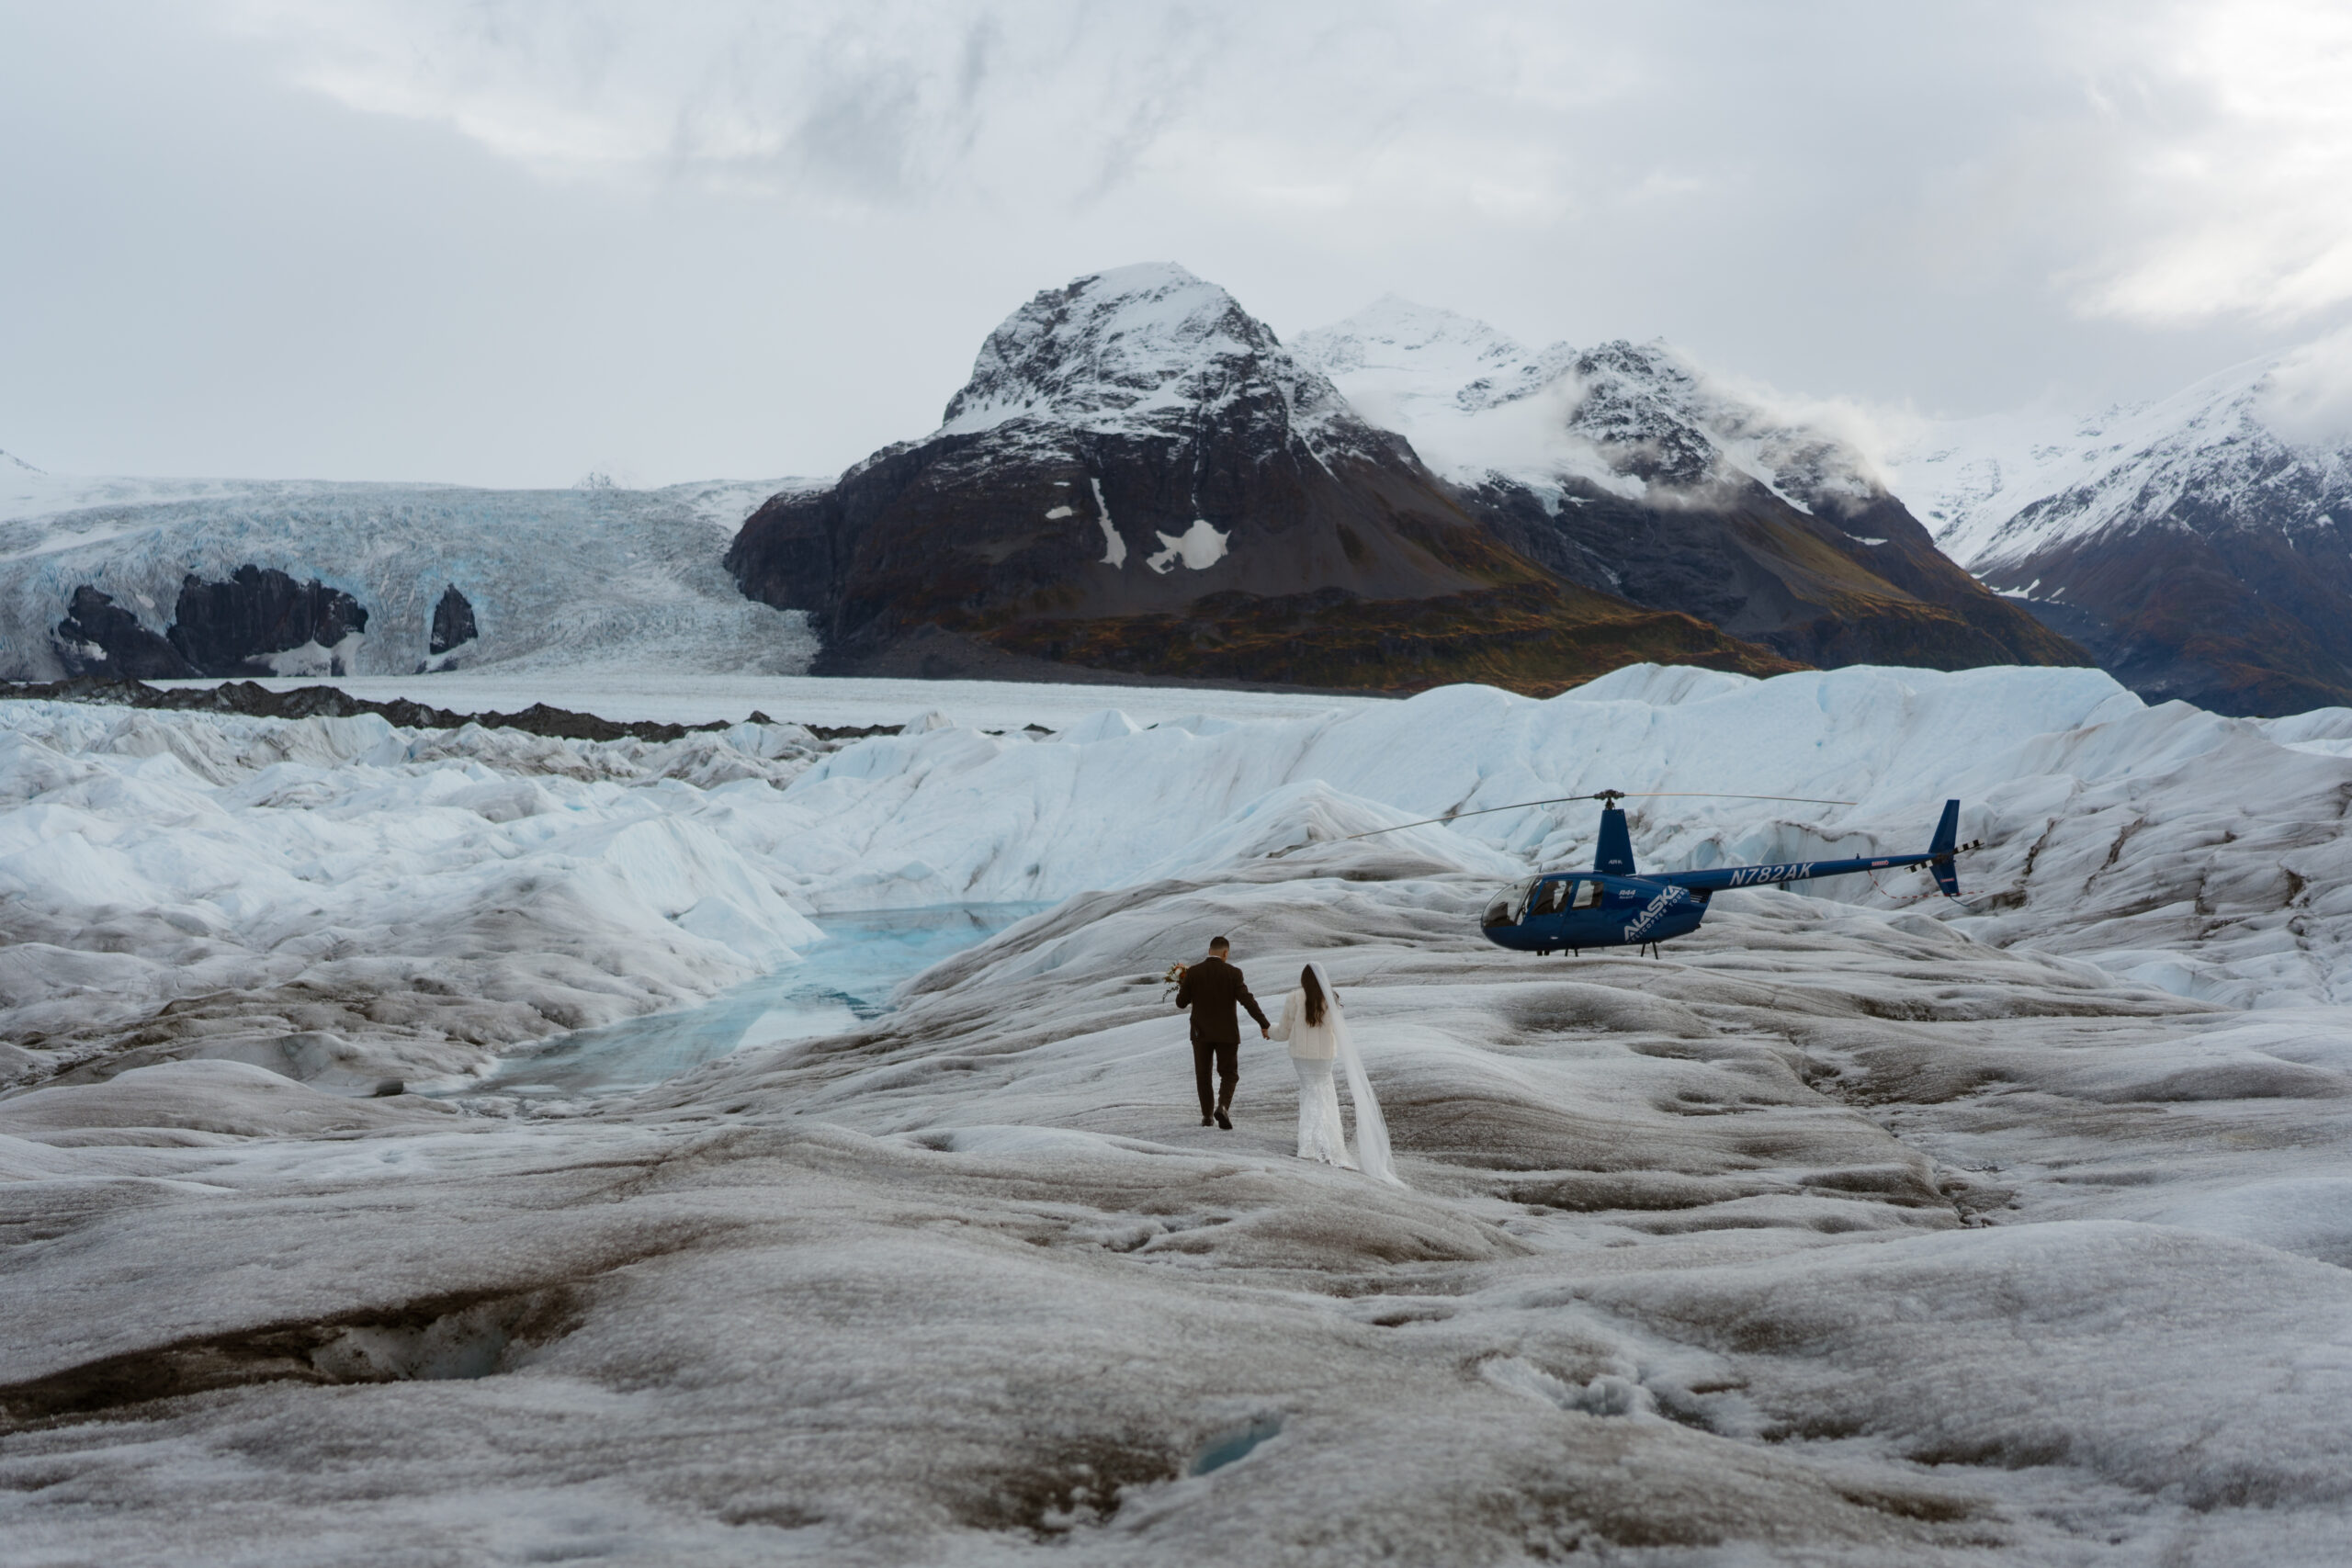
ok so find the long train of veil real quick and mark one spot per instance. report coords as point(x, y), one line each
point(1372, 1129)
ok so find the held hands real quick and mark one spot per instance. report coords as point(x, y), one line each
point(1264, 1033)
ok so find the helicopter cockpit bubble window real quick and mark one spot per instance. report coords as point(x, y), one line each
point(1503, 909)
point(1588, 896)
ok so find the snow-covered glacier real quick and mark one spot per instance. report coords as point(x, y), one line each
point(1858, 1228)
point(347, 902)
point(594, 577)
point(301, 875)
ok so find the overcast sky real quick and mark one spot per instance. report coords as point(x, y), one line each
point(507, 241)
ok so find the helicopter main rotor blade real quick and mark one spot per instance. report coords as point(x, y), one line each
point(1700, 795)
point(1567, 800)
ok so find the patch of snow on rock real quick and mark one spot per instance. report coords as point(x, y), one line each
point(1114, 548)
point(1199, 547)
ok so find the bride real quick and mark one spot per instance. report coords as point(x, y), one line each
point(1315, 1027)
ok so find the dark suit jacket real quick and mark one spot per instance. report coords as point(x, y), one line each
point(1212, 988)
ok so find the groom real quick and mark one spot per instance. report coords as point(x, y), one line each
point(1211, 988)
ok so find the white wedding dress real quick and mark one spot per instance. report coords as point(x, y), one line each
point(1316, 1049)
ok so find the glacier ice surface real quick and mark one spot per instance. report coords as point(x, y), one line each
point(1857, 1229)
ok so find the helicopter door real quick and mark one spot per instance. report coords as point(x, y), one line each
point(1588, 896)
point(1550, 899)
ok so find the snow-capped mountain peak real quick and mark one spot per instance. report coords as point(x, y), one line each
point(2000, 488)
point(1631, 469)
point(1134, 453)
point(2200, 545)
point(1412, 344)
point(1624, 417)
point(1141, 349)
point(11, 460)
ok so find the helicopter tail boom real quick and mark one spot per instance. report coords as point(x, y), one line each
point(1941, 851)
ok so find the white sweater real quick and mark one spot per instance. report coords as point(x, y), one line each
point(1308, 1042)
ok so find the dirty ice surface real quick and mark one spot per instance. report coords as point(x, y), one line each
point(1857, 1229)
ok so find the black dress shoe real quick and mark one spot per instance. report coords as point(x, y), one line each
point(1223, 1120)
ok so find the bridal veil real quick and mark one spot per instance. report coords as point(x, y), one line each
point(1372, 1129)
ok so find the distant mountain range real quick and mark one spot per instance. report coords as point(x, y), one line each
point(1624, 468)
point(2199, 550)
point(1140, 478)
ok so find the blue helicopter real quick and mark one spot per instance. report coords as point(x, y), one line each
point(1610, 905)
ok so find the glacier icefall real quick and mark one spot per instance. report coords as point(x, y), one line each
point(557, 578)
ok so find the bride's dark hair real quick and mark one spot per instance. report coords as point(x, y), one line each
point(1313, 994)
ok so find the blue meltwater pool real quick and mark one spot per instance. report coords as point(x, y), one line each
point(842, 982)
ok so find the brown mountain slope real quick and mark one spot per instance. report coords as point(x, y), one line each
point(1868, 587)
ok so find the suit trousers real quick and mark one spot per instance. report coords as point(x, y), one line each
point(1227, 1053)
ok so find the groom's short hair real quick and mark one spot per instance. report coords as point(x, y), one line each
point(1218, 945)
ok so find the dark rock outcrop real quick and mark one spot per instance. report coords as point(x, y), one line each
point(218, 628)
point(453, 621)
point(1139, 477)
point(98, 636)
point(330, 702)
point(233, 627)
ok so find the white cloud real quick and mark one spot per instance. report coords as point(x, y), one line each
point(2172, 162)
point(2307, 395)
point(889, 102)
point(600, 226)
point(2227, 131)
point(1872, 434)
